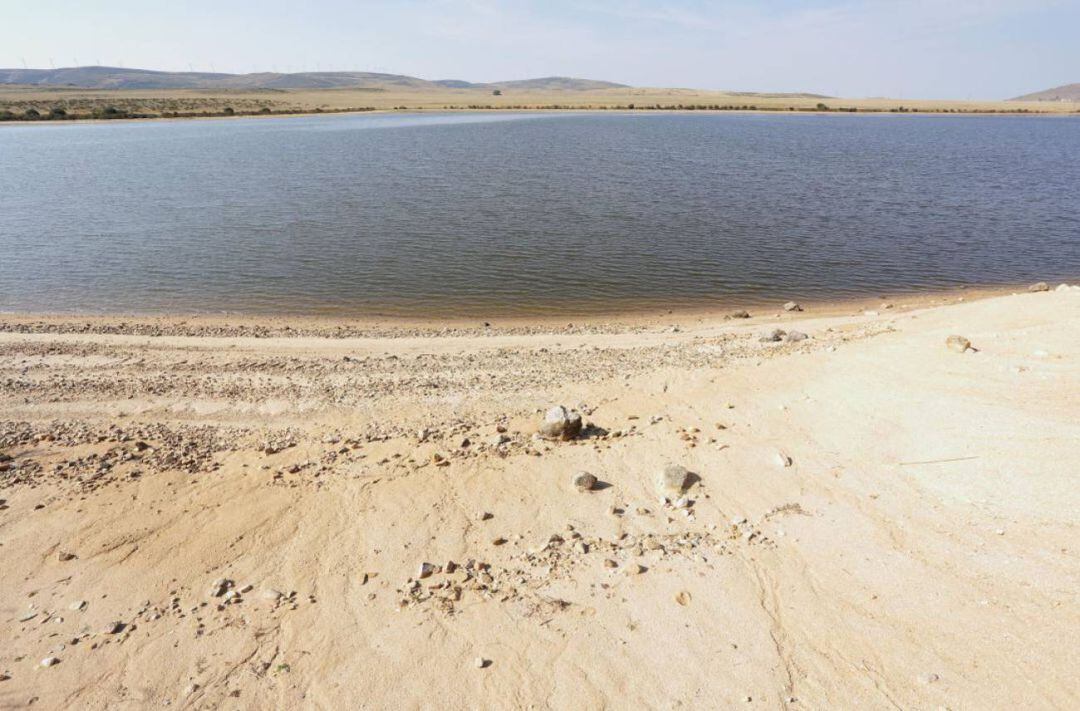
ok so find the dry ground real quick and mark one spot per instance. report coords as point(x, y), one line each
point(234, 518)
point(84, 102)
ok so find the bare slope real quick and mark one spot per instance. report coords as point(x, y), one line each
point(121, 78)
point(1068, 92)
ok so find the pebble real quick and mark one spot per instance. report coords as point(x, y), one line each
point(792, 306)
point(584, 481)
point(957, 343)
point(50, 661)
point(77, 606)
point(775, 336)
point(64, 556)
point(219, 587)
point(481, 663)
point(674, 479)
point(113, 628)
point(634, 569)
point(740, 314)
point(1039, 286)
point(783, 460)
point(796, 336)
point(426, 570)
point(270, 594)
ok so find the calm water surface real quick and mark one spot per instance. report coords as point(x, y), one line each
point(515, 214)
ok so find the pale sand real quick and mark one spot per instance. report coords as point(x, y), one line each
point(921, 551)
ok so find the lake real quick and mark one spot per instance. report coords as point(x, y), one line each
point(444, 215)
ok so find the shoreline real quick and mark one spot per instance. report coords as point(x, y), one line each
point(599, 109)
point(633, 318)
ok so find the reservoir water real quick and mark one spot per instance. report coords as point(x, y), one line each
point(443, 215)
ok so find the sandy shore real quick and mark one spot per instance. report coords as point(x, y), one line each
point(237, 516)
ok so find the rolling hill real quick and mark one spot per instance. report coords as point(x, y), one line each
point(1068, 92)
point(121, 78)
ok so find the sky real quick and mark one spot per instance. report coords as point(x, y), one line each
point(962, 49)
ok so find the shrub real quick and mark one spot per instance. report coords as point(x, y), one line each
point(31, 113)
point(57, 113)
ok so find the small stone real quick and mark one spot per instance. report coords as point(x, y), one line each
point(484, 516)
point(220, 586)
point(1039, 286)
point(958, 344)
point(634, 569)
point(77, 606)
point(27, 616)
point(792, 306)
point(775, 336)
point(64, 556)
point(50, 661)
point(481, 663)
point(584, 481)
point(740, 314)
point(426, 570)
point(113, 628)
point(609, 563)
point(498, 440)
point(684, 598)
point(795, 336)
point(270, 594)
point(560, 423)
point(498, 541)
point(782, 460)
point(928, 679)
point(674, 480)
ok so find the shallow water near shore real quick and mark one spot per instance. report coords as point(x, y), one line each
point(442, 215)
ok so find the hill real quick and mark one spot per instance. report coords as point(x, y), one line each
point(121, 78)
point(1068, 92)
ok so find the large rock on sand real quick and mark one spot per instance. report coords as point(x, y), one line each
point(560, 423)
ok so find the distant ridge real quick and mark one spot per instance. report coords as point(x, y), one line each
point(120, 78)
point(1068, 92)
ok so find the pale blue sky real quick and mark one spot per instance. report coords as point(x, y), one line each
point(901, 48)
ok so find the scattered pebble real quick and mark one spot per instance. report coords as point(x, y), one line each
point(674, 480)
point(584, 481)
point(958, 344)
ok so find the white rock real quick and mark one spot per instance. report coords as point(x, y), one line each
point(560, 423)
